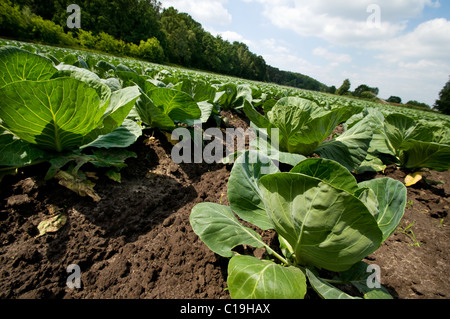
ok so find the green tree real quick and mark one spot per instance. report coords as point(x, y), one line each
point(443, 103)
point(127, 20)
point(394, 99)
point(332, 89)
point(179, 38)
point(210, 60)
point(345, 87)
point(12, 21)
point(365, 88)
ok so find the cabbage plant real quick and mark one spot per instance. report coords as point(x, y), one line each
point(417, 145)
point(324, 220)
point(165, 106)
point(61, 115)
point(304, 126)
point(411, 144)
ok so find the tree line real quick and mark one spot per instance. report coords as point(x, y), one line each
point(371, 93)
point(141, 29)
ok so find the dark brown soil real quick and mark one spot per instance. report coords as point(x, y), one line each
point(137, 241)
point(415, 260)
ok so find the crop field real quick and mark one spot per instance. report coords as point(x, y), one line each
point(126, 179)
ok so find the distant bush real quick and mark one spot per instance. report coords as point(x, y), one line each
point(394, 99)
point(87, 39)
point(418, 105)
point(107, 43)
point(49, 32)
point(365, 88)
point(132, 50)
point(368, 95)
point(151, 50)
point(332, 89)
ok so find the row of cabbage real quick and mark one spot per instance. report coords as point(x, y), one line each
point(325, 220)
point(69, 112)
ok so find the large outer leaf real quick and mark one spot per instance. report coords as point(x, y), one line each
point(379, 139)
point(327, 227)
point(257, 119)
point(220, 230)
point(251, 278)
point(179, 106)
point(54, 114)
point(206, 108)
point(325, 289)
point(418, 154)
point(350, 148)
point(399, 128)
point(200, 91)
point(316, 130)
point(120, 105)
point(19, 65)
point(391, 196)
point(290, 115)
point(264, 144)
point(358, 276)
point(15, 152)
point(151, 114)
point(121, 137)
point(86, 76)
point(328, 171)
point(243, 191)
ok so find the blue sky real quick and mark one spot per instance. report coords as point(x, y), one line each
point(400, 46)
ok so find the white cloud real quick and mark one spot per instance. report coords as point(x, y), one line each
point(416, 64)
point(274, 45)
point(429, 40)
point(337, 58)
point(343, 22)
point(230, 36)
point(206, 12)
point(280, 54)
point(411, 64)
point(419, 81)
point(291, 62)
point(234, 36)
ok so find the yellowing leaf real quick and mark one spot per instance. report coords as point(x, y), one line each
point(51, 225)
point(92, 175)
point(412, 179)
point(82, 187)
